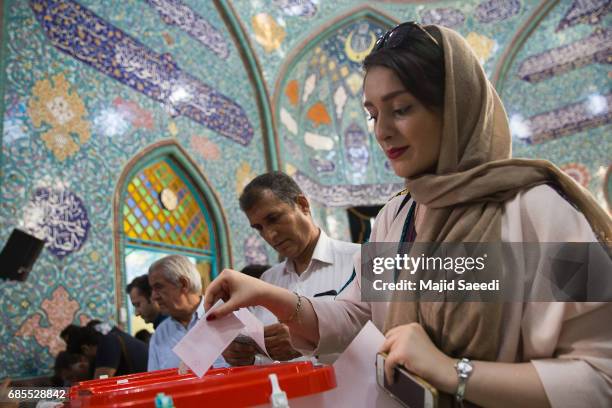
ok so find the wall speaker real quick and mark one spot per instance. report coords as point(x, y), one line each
point(19, 254)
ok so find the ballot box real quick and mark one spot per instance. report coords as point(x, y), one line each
point(219, 387)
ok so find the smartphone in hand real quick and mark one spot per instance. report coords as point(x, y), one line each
point(243, 339)
point(410, 390)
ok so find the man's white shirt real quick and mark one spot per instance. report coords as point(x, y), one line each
point(330, 268)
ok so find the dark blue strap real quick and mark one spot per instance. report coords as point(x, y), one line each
point(404, 202)
point(404, 232)
point(327, 293)
point(348, 282)
point(408, 233)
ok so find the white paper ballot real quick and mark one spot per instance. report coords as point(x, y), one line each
point(356, 373)
point(206, 341)
point(356, 376)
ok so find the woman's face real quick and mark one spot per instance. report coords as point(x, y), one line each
point(407, 131)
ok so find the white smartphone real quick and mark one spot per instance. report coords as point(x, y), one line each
point(410, 390)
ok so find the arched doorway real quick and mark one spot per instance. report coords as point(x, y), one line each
point(164, 205)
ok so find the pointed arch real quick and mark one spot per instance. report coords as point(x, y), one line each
point(322, 130)
point(355, 14)
point(175, 157)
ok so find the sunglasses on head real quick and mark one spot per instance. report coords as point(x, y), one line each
point(396, 36)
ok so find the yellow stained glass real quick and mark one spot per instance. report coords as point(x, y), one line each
point(146, 219)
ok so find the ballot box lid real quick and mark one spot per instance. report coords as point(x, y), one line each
point(226, 387)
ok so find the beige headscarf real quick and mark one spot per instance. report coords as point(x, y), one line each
point(465, 198)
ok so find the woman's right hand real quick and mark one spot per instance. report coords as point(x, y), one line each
point(237, 290)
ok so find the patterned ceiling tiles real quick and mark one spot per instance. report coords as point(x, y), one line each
point(558, 93)
point(493, 21)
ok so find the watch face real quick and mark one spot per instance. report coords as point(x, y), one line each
point(168, 199)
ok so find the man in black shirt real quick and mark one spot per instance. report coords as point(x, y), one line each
point(112, 352)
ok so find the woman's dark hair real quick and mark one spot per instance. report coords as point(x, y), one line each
point(418, 62)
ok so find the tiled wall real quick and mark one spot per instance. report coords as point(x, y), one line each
point(80, 100)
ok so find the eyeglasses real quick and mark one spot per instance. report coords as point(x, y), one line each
point(396, 36)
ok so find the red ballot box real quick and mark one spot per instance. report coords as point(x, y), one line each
point(219, 387)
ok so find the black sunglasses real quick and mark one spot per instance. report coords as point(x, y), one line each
point(396, 36)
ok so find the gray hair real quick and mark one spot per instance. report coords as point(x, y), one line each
point(173, 267)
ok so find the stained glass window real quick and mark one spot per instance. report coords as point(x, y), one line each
point(146, 221)
point(155, 225)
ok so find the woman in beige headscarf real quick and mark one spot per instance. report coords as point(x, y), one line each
point(444, 130)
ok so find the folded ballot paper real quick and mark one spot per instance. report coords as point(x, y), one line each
point(201, 346)
point(253, 330)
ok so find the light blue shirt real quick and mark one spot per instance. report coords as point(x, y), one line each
point(166, 336)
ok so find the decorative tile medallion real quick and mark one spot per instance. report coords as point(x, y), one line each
point(59, 311)
point(60, 218)
point(57, 105)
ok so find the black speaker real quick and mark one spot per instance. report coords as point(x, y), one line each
point(19, 254)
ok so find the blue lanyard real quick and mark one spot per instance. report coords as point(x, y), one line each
point(408, 233)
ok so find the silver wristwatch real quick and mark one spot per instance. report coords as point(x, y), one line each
point(464, 369)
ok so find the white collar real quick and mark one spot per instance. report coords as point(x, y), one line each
point(323, 252)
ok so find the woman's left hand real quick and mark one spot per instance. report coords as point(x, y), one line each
point(409, 346)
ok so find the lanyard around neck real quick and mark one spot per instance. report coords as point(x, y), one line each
point(408, 233)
